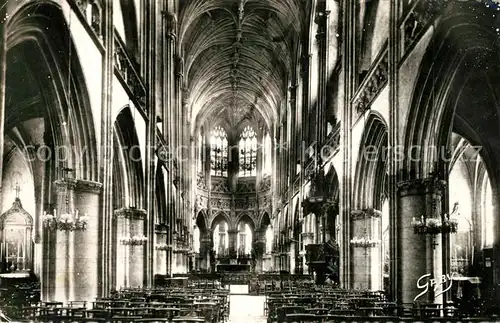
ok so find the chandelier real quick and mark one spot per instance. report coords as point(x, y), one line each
point(364, 242)
point(434, 226)
point(163, 247)
point(68, 221)
point(133, 241)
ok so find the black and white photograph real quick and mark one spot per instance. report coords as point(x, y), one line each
point(241, 161)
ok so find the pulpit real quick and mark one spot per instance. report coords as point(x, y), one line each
point(323, 260)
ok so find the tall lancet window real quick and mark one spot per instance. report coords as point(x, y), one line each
point(201, 154)
point(245, 239)
point(268, 166)
point(218, 161)
point(221, 239)
point(248, 152)
point(488, 215)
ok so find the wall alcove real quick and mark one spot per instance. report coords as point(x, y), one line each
point(16, 226)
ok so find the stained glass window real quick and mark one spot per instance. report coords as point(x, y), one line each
point(218, 162)
point(248, 152)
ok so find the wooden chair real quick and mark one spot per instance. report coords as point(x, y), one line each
point(188, 319)
point(124, 319)
point(302, 317)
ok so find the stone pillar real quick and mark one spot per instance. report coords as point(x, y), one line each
point(77, 250)
point(175, 254)
point(307, 238)
point(161, 249)
point(322, 41)
point(260, 238)
point(130, 264)
point(3, 68)
point(420, 259)
point(63, 256)
point(39, 174)
point(294, 153)
point(348, 50)
point(106, 278)
point(86, 246)
point(205, 248)
point(366, 250)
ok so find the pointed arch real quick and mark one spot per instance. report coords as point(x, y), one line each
point(372, 163)
point(40, 28)
point(265, 220)
point(220, 216)
point(332, 186)
point(130, 156)
point(443, 74)
point(201, 221)
point(245, 217)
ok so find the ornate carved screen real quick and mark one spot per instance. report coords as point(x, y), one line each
point(16, 236)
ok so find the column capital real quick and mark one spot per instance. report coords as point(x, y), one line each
point(88, 186)
point(65, 184)
point(365, 213)
point(130, 213)
point(420, 186)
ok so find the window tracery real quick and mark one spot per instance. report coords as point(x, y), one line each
point(248, 152)
point(218, 162)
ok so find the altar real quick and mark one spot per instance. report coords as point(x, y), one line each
point(233, 268)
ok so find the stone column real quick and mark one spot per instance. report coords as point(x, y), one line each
point(205, 249)
point(175, 252)
point(348, 50)
point(130, 264)
point(307, 238)
point(39, 174)
point(260, 238)
point(161, 250)
point(86, 247)
point(321, 38)
point(366, 257)
point(3, 68)
point(419, 261)
point(394, 141)
point(106, 279)
point(63, 256)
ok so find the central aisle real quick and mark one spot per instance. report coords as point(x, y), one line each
point(246, 308)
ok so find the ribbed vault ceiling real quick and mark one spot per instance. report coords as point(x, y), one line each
point(238, 56)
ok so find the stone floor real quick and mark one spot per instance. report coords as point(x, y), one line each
point(246, 309)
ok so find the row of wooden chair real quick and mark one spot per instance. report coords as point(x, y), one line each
point(139, 305)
